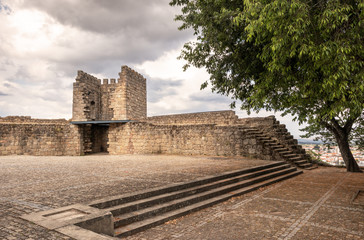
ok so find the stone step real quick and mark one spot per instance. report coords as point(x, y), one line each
point(300, 162)
point(285, 152)
point(141, 212)
point(279, 148)
point(305, 165)
point(289, 155)
point(185, 193)
point(196, 202)
point(126, 198)
point(264, 138)
point(296, 158)
point(270, 143)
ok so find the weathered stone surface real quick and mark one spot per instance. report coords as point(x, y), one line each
point(23, 135)
point(216, 117)
point(201, 139)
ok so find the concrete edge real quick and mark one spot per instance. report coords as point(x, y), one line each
point(77, 216)
point(82, 234)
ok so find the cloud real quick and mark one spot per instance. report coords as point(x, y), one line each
point(133, 30)
point(4, 8)
point(158, 89)
point(44, 43)
point(210, 98)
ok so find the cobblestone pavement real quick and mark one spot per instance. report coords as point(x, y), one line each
point(314, 205)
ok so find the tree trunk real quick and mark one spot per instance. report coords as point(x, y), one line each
point(343, 143)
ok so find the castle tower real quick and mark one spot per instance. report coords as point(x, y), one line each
point(86, 98)
point(124, 99)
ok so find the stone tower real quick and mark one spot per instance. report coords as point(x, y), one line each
point(124, 99)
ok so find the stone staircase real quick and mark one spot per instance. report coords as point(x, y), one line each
point(133, 213)
point(282, 145)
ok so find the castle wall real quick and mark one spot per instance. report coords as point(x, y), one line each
point(205, 133)
point(203, 139)
point(26, 136)
point(215, 117)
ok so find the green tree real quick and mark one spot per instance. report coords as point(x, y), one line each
point(301, 57)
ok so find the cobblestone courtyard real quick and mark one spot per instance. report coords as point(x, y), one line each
point(314, 205)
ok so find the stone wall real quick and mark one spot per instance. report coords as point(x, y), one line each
point(209, 133)
point(215, 117)
point(203, 139)
point(28, 119)
point(26, 136)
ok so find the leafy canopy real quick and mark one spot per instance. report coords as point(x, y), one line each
point(301, 57)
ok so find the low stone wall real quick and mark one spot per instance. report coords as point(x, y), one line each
point(29, 120)
point(25, 136)
point(208, 139)
point(217, 117)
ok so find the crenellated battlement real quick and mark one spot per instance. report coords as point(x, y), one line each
point(110, 99)
point(107, 81)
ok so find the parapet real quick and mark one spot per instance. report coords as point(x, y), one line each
point(130, 73)
point(227, 117)
point(126, 72)
point(29, 120)
point(85, 77)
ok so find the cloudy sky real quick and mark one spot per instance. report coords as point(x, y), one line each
point(44, 42)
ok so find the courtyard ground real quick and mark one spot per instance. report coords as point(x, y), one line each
point(314, 205)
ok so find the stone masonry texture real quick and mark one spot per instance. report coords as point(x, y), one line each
point(23, 135)
point(202, 139)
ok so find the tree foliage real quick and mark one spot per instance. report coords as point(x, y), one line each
point(301, 57)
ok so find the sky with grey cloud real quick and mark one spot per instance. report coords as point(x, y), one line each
point(44, 43)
